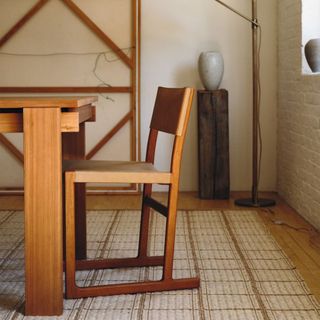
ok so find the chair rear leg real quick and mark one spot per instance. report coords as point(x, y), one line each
point(144, 223)
point(80, 218)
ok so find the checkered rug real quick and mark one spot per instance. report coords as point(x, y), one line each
point(244, 273)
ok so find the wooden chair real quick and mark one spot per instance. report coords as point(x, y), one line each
point(170, 115)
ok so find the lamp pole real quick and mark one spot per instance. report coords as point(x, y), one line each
point(255, 102)
point(254, 201)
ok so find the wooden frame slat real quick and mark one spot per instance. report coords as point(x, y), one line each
point(109, 135)
point(133, 81)
point(66, 89)
point(22, 21)
point(93, 27)
point(11, 148)
point(138, 61)
point(132, 62)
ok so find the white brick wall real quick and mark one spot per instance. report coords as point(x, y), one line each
point(298, 119)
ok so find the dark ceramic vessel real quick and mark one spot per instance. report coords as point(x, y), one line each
point(312, 53)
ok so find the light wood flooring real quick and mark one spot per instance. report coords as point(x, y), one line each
point(298, 238)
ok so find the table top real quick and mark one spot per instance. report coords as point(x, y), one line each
point(45, 102)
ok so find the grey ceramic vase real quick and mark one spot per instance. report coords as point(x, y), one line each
point(312, 53)
point(211, 69)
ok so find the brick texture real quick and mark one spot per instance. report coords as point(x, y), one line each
point(298, 119)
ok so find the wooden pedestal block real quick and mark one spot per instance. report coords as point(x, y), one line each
point(213, 133)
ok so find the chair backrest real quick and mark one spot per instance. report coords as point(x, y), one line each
point(170, 115)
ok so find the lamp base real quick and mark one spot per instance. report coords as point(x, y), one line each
point(249, 202)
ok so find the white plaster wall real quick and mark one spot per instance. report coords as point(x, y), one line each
point(298, 119)
point(174, 33)
point(310, 14)
point(55, 29)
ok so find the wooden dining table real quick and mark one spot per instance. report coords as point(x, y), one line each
point(53, 129)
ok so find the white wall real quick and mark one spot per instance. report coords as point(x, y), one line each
point(55, 29)
point(310, 22)
point(298, 119)
point(174, 33)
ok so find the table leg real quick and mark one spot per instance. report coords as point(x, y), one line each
point(43, 211)
point(73, 146)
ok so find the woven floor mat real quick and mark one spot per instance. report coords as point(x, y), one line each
point(244, 273)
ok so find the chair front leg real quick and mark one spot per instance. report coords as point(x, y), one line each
point(170, 232)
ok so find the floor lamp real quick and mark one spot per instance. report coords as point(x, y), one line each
point(254, 201)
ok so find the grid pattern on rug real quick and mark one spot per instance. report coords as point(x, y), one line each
point(244, 273)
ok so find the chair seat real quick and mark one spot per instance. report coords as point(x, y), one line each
point(116, 171)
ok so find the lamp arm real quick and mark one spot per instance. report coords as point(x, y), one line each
point(253, 21)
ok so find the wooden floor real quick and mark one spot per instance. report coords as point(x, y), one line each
point(299, 239)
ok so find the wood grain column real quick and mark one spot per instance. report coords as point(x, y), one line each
point(73, 146)
point(43, 211)
point(213, 134)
